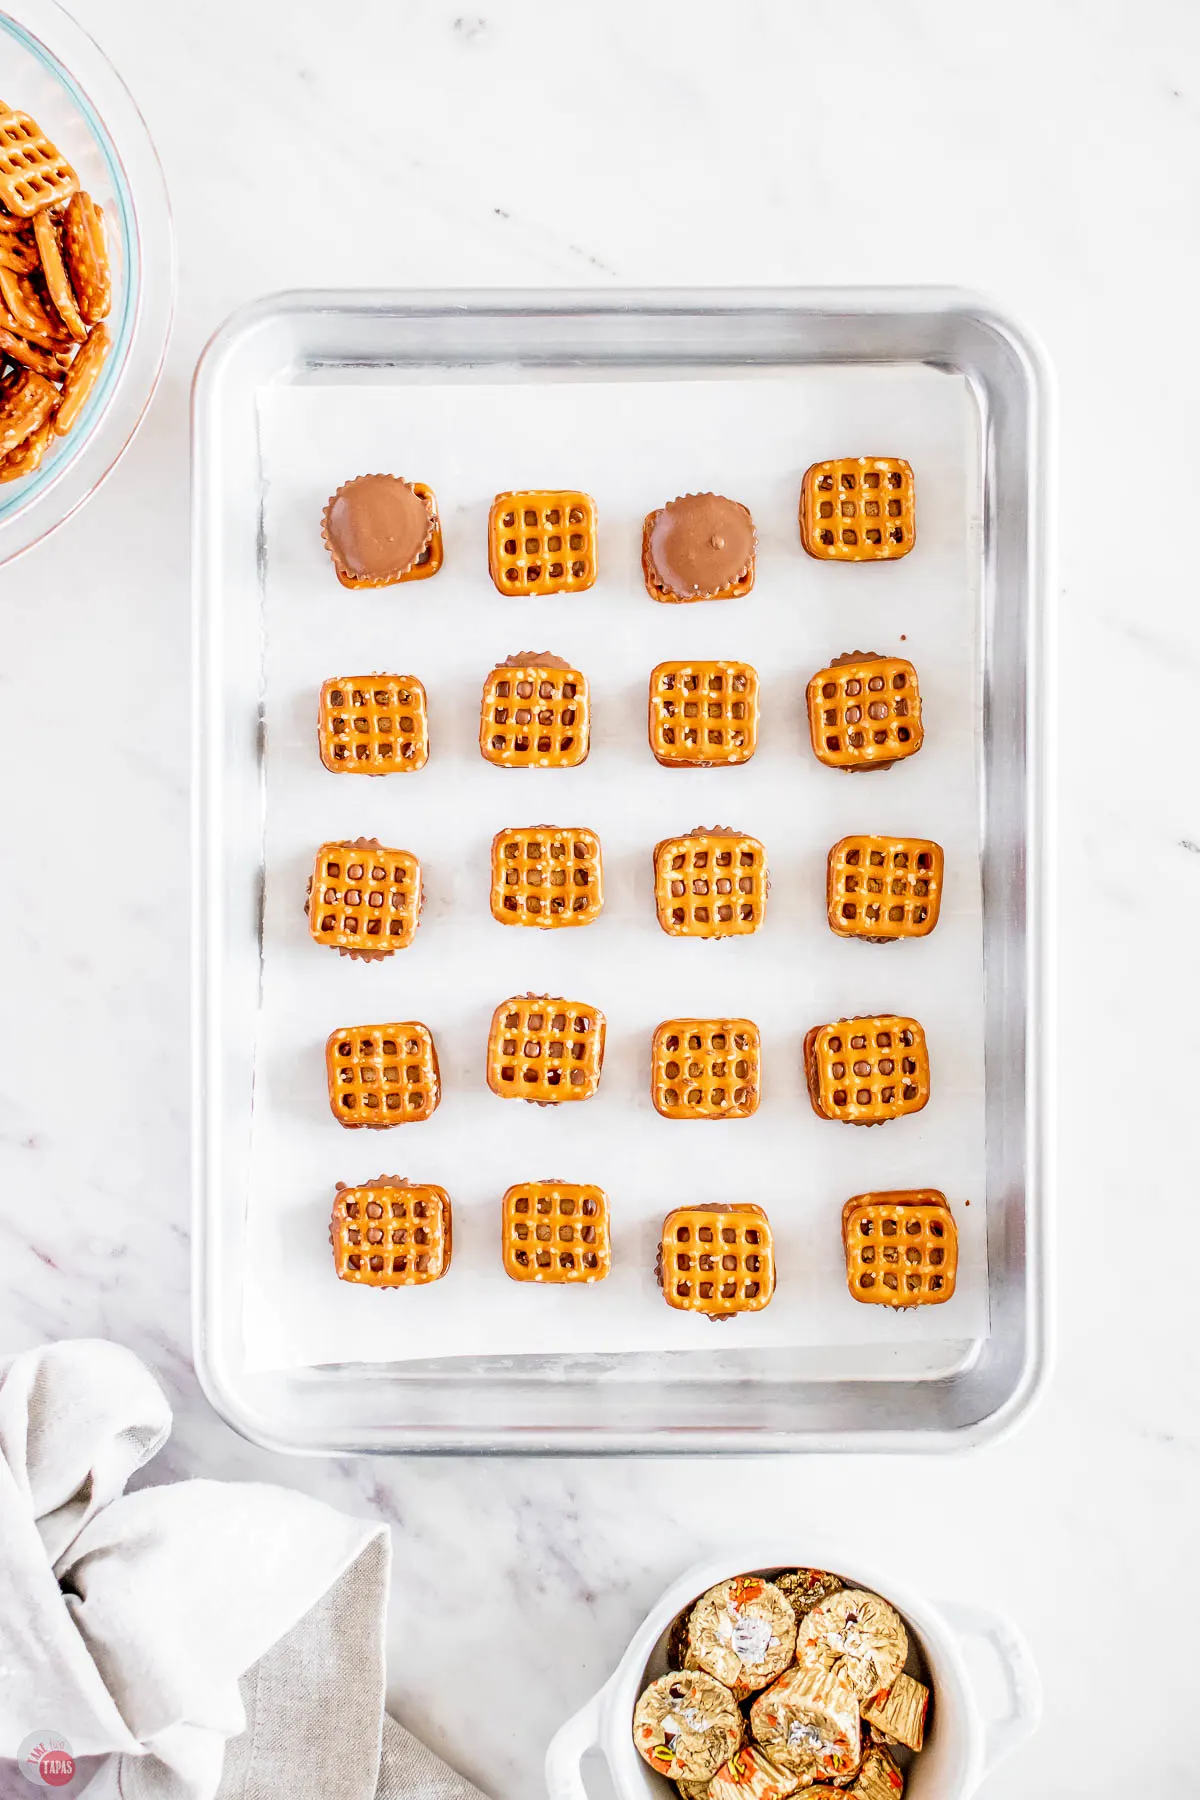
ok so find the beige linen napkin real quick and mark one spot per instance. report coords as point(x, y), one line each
point(211, 1640)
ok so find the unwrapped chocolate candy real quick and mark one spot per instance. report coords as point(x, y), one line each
point(687, 1725)
point(744, 1632)
point(859, 1636)
point(807, 1722)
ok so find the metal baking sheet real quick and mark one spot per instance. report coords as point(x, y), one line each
point(302, 359)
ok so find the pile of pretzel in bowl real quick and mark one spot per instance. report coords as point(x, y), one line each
point(55, 292)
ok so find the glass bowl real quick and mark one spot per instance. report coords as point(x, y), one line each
point(51, 69)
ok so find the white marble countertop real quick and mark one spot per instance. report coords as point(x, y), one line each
point(1047, 156)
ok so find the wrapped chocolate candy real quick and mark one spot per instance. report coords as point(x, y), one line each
point(878, 1779)
point(857, 1635)
point(686, 1725)
point(899, 1711)
point(807, 1723)
point(693, 1790)
point(742, 1631)
point(749, 1775)
point(806, 1588)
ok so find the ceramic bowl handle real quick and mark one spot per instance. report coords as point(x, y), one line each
point(568, 1747)
point(1020, 1674)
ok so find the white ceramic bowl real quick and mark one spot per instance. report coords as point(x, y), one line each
point(963, 1743)
point(52, 70)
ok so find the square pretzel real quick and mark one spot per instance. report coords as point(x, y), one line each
point(382, 1075)
point(546, 876)
point(556, 1232)
point(858, 509)
point(33, 172)
point(710, 884)
point(703, 714)
point(545, 1049)
point(864, 712)
point(705, 1068)
point(717, 1260)
point(391, 1233)
point(364, 900)
point(866, 1071)
point(880, 889)
point(542, 541)
point(373, 724)
point(901, 1247)
point(535, 715)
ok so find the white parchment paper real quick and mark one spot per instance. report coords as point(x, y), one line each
point(632, 444)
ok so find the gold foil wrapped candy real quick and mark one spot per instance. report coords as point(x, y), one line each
point(878, 1779)
point(806, 1588)
point(807, 1723)
point(744, 1632)
point(899, 1711)
point(748, 1775)
point(693, 1790)
point(686, 1725)
point(857, 1635)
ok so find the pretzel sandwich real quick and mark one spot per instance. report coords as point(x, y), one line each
point(542, 541)
point(864, 711)
point(717, 1260)
point(391, 1233)
point(710, 883)
point(866, 1071)
point(545, 1050)
point(382, 1075)
point(364, 900)
point(556, 1232)
point(703, 715)
point(705, 1068)
point(535, 714)
point(546, 876)
point(858, 509)
point(881, 889)
point(373, 724)
point(901, 1248)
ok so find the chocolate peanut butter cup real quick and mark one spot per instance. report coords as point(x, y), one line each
point(698, 547)
point(380, 530)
